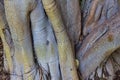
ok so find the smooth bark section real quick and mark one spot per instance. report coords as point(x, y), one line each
point(71, 14)
point(66, 57)
point(101, 48)
point(53, 54)
point(44, 43)
point(74, 20)
point(17, 13)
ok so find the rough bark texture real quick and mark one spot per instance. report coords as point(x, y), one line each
point(95, 12)
point(4, 75)
point(115, 58)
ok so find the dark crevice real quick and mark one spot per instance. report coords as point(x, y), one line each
point(3, 73)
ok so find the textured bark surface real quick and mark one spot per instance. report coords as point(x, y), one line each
point(4, 75)
point(103, 45)
point(95, 13)
point(41, 39)
point(115, 58)
point(4, 48)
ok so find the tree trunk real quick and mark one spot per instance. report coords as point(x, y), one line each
point(59, 40)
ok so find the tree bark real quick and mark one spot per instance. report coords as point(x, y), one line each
point(59, 39)
point(66, 57)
